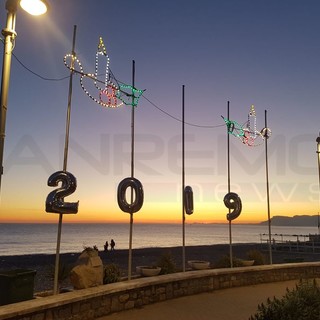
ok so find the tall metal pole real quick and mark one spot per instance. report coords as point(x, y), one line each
point(132, 170)
point(183, 184)
point(318, 152)
point(267, 183)
point(9, 34)
point(66, 144)
point(65, 162)
point(229, 187)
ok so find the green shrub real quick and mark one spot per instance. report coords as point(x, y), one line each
point(257, 256)
point(301, 303)
point(111, 273)
point(167, 263)
point(224, 262)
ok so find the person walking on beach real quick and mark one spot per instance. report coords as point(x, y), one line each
point(112, 244)
point(106, 246)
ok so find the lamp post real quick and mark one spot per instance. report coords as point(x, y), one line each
point(34, 7)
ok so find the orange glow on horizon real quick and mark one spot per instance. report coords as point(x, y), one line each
point(153, 212)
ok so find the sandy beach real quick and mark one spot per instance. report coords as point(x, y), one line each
point(43, 264)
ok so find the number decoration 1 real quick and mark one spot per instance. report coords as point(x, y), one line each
point(188, 200)
point(55, 199)
point(233, 202)
point(136, 185)
point(247, 133)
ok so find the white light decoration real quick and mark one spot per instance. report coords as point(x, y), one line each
point(252, 122)
point(248, 133)
point(107, 94)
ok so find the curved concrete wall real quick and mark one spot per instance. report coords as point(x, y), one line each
point(106, 299)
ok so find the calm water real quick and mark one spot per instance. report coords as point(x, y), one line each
point(16, 239)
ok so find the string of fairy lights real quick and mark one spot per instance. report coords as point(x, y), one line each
point(248, 133)
point(114, 93)
point(111, 94)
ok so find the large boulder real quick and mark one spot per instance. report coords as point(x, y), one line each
point(88, 271)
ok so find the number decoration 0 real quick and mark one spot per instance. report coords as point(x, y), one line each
point(136, 185)
point(55, 199)
point(188, 200)
point(233, 202)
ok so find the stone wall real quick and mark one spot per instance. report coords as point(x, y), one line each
point(103, 300)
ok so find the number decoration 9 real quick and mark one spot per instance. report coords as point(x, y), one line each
point(188, 200)
point(136, 185)
point(233, 202)
point(55, 199)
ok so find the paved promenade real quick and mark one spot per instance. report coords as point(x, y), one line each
point(227, 304)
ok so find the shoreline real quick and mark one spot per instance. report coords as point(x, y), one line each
point(43, 264)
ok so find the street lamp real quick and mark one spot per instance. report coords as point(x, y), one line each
point(34, 7)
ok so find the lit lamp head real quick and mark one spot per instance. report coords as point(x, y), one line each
point(34, 7)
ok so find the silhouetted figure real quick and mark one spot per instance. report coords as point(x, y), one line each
point(106, 246)
point(112, 244)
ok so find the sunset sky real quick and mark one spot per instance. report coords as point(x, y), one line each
point(261, 53)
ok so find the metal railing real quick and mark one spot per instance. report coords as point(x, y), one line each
point(292, 242)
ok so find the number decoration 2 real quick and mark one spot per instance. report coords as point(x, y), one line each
point(55, 199)
point(233, 202)
point(136, 185)
point(188, 200)
point(248, 133)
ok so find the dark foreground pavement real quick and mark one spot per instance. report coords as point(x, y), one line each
point(227, 304)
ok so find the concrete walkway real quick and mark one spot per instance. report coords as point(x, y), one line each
point(227, 304)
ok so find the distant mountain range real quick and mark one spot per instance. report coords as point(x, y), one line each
point(295, 221)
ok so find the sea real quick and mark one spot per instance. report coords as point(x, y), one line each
point(21, 239)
